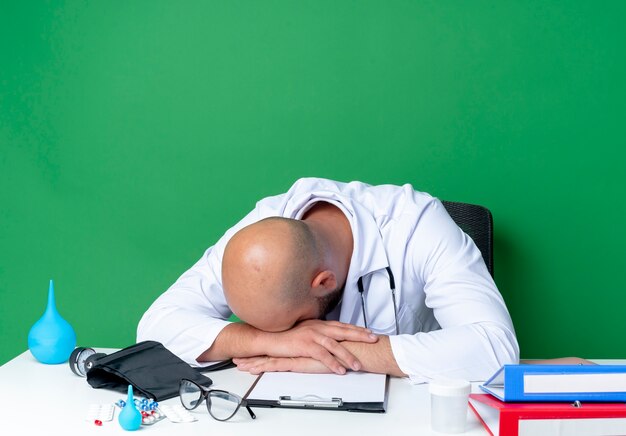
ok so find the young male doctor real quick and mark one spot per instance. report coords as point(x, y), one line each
point(334, 276)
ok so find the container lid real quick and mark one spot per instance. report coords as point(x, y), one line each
point(449, 387)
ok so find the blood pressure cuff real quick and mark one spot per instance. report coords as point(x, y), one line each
point(152, 369)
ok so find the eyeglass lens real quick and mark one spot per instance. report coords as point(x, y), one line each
point(191, 394)
point(222, 405)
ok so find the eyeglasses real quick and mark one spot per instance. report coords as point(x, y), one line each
point(222, 405)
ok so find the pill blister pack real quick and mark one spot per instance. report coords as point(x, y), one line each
point(100, 412)
point(149, 418)
point(177, 413)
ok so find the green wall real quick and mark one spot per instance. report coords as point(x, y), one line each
point(134, 133)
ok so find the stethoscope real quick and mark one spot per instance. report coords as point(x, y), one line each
point(392, 285)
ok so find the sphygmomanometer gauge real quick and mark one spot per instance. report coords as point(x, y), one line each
point(82, 360)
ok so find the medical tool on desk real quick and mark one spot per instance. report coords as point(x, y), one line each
point(148, 408)
point(51, 339)
point(83, 359)
point(130, 418)
point(153, 370)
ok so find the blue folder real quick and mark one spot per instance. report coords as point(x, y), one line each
point(526, 382)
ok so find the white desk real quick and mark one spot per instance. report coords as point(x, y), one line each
point(51, 400)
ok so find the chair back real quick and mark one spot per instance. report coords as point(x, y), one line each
point(477, 222)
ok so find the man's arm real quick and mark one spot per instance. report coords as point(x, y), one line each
point(375, 357)
point(473, 334)
point(323, 341)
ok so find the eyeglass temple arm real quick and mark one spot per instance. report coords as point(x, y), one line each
point(252, 415)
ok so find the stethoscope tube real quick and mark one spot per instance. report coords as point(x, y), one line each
point(392, 285)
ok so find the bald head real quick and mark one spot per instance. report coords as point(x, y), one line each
point(267, 271)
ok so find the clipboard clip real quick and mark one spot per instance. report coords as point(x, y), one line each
point(312, 401)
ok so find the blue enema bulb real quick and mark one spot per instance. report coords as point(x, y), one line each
point(51, 339)
point(130, 418)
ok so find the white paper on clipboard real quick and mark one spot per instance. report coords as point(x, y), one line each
point(352, 387)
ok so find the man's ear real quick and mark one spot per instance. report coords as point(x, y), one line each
point(323, 283)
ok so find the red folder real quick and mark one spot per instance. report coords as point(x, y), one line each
point(600, 417)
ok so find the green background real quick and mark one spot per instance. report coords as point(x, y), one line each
point(134, 133)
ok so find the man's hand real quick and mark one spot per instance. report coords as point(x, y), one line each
point(259, 364)
point(324, 341)
point(321, 340)
point(377, 357)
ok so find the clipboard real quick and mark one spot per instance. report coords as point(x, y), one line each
point(352, 392)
